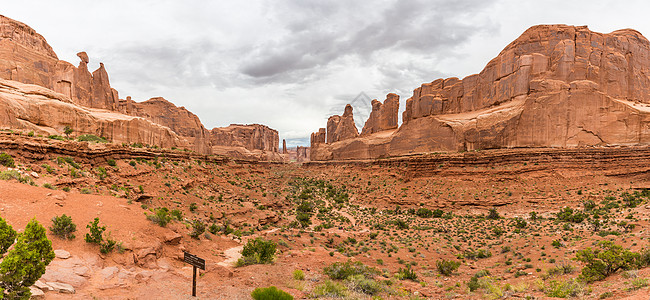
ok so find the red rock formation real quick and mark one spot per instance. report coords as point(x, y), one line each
point(383, 116)
point(252, 137)
point(340, 128)
point(26, 57)
point(284, 146)
point(556, 85)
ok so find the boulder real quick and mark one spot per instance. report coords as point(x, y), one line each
point(61, 254)
point(60, 287)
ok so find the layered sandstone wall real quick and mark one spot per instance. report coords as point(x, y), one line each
point(252, 137)
point(554, 86)
point(26, 57)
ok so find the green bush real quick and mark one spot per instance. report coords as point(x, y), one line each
point(257, 251)
point(493, 214)
point(107, 246)
point(161, 216)
point(361, 284)
point(407, 273)
point(6, 160)
point(270, 293)
point(111, 162)
point(63, 227)
point(177, 214)
point(563, 288)
point(96, 233)
point(568, 215)
point(339, 270)
point(330, 289)
point(298, 275)
point(7, 236)
point(605, 261)
point(447, 267)
point(13, 174)
point(91, 138)
point(424, 213)
point(198, 228)
point(26, 262)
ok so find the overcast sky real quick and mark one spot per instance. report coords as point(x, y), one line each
point(289, 64)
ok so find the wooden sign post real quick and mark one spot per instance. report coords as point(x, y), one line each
point(196, 262)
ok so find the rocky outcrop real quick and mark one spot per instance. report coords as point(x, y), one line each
point(340, 128)
point(252, 137)
point(34, 108)
point(554, 86)
point(26, 57)
point(383, 116)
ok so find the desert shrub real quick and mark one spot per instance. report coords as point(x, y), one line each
point(56, 137)
point(91, 138)
point(589, 205)
point(101, 173)
point(69, 160)
point(331, 289)
point(361, 284)
point(85, 191)
point(424, 213)
point(401, 224)
point(257, 251)
point(560, 269)
point(563, 288)
point(107, 246)
point(407, 273)
point(7, 236)
point(161, 216)
point(605, 261)
point(63, 227)
point(298, 275)
point(493, 214)
point(193, 207)
point(480, 253)
point(520, 222)
point(270, 293)
point(6, 160)
point(343, 270)
point(568, 215)
point(13, 174)
point(111, 162)
point(473, 284)
point(177, 214)
point(96, 234)
point(26, 262)
point(304, 219)
point(49, 186)
point(198, 228)
point(447, 267)
point(213, 228)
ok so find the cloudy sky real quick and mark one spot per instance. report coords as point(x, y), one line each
point(290, 63)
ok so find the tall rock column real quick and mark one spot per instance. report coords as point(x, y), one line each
point(341, 128)
point(383, 116)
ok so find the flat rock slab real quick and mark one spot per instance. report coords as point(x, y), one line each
point(62, 254)
point(60, 287)
point(36, 293)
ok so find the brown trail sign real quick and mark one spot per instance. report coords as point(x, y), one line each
point(196, 262)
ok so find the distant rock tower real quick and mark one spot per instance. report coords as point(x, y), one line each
point(284, 146)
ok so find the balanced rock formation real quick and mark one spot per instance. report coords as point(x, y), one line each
point(383, 116)
point(554, 86)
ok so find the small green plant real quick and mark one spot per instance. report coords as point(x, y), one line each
point(111, 162)
point(257, 251)
point(407, 273)
point(96, 233)
point(63, 227)
point(107, 246)
point(493, 214)
point(67, 131)
point(298, 275)
point(193, 207)
point(7, 236)
point(343, 270)
point(330, 289)
point(91, 138)
point(447, 267)
point(48, 186)
point(198, 228)
point(6, 160)
point(270, 293)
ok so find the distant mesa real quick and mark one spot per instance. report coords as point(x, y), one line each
point(41, 93)
point(554, 86)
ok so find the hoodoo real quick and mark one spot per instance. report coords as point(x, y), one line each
point(554, 86)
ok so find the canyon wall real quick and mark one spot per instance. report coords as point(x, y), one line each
point(554, 86)
point(27, 58)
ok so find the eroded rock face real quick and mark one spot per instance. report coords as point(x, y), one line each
point(34, 108)
point(252, 137)
point(383, 116)
point(340, 128)
point(554, 86)
point(26, 57)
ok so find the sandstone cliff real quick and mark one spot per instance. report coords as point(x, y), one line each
point(383, 116)
point(26, 57)
point(554, 86)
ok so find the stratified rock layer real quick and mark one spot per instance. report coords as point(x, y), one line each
point(554, 86)
point(26, 57)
